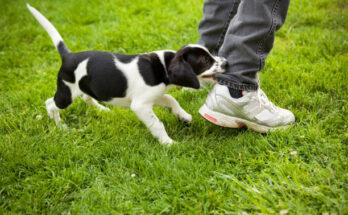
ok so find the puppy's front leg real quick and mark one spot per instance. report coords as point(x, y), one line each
point(89, 100)
point(169, 102)
point(147, 116)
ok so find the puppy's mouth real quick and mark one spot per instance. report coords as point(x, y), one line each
point(210, 76)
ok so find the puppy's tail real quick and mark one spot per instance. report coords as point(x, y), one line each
point(51, 30)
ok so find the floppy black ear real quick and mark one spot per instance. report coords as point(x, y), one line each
point(181, 73)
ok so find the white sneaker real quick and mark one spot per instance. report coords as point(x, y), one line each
point(252, 110)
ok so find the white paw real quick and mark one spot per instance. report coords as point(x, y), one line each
point(63, 126)
point(187, 89)
point(50, 114)
point(166, 141)
point(102, 108)
point(185, 117)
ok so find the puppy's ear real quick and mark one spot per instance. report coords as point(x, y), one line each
point(181, 73)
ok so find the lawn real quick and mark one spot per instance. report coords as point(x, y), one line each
point(108, 162)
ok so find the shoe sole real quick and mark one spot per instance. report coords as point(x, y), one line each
point(234, 122)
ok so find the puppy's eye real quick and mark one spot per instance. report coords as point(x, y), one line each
point(204, 59)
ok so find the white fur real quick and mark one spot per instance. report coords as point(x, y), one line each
point(199, 46)
point(52, 110)
point(51, 30)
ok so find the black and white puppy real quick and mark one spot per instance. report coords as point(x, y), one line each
point(135, 81)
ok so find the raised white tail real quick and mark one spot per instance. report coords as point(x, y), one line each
point(51, 30)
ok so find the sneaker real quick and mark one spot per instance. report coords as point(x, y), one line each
point(252, 110)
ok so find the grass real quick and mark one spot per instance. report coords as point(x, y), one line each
point(88, 168)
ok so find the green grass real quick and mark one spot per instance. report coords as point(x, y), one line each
point(88, 168)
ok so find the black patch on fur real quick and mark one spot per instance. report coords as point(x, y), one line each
point(66, 71)
point(187, 64)
point(62, 49)
point(62, 98)
point(103, 81)
point(85, 86)
point(124, 58)
point(182, 74)
point(152, 70)
point(168, 57)
point(198, 58)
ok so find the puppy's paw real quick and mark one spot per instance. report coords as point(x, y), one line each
point(187, 89)
point(183, 116)
point(63, 126)
point(50, 114)
point(173, 143)
point(102, 108)
point(166, 141)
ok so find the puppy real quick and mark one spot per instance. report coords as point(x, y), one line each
point(135, 81)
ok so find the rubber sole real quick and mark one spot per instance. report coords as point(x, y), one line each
point(234, 122)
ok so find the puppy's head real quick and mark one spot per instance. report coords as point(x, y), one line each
point(192, 62)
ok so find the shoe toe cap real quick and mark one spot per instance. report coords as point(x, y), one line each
point(289, 117)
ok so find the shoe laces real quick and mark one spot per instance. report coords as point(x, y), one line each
point(263, 101)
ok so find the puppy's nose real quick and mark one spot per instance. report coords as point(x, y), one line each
point(224, 65)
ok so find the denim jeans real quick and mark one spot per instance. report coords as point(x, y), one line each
point(243, 32)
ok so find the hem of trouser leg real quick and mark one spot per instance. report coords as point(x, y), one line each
point(238, 86)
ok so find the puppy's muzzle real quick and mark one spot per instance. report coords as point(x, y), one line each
point(219, 66)
point(224, 65)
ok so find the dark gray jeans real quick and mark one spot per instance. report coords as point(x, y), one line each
point(243, 32)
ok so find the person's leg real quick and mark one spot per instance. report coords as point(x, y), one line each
point(217, 15)
point(249, 39)
point(237, 100)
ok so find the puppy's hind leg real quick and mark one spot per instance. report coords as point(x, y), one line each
point(52, 110)
point(61, 100)
point(169, 102)
point(91, 101)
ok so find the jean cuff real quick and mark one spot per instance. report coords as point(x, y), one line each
point(238, 86)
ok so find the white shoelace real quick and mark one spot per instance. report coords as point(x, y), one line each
point(263, 100)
